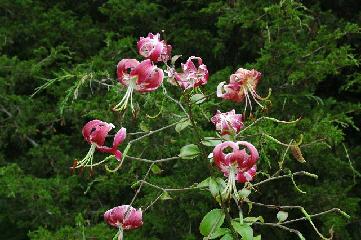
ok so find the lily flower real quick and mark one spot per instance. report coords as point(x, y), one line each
point(95, 132)
point(153, 48)
point(137, 76)
point(241, 84)
point(124, 217)
point(192, 75)
point(237, 165)
point(227, 123)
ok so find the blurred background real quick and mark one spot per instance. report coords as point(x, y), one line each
point(307, 51)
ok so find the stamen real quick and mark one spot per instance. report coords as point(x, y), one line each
point(231, 184)
point(255, 96)
point(247, 97)
point(88, 158)
point(129, 94)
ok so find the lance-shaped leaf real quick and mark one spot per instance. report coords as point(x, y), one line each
point(198, 98)
point(244, 230)
point(184, 123)
point(189, 151)
point(282, 216)
point(211, 222)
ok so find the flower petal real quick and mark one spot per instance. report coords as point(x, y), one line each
point(116, 217)
point(150, 77)
point(119, 137)
point(88, 128)
point(124, 68)
point(96, 131)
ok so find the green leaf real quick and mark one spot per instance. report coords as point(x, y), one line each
point(216, 186)
point(250, 205)
point(198, 98)
point(135, 185)
point(204, 183)
point(282, 216)
point(184, 123)
point(144, 127)
point(165, 196)
point(219, 232)
point(243, 229)
point(156, 169)
point(254, 219)
point(244, 193)
point(227, 237)
point(189, 151)
point(259, 237)
point(211, 222)
point(211, 141)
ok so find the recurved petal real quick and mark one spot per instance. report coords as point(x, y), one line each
point(119, 137)
point(220, 158)
point(98, 136)
point(124, 68)
point(89, 127)
point(150, 77)
point(253, 151)
point(134, 219)
point(248, 175)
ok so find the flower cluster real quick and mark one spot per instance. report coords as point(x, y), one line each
point(143, 76)
point(238, 164)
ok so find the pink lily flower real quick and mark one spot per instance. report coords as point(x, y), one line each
point(142, 77)
point(241, 84)
point(95, 132)
point(124, 216)
point(237, 165)
point(192, 75)
point(228, 122)
point(151, 47)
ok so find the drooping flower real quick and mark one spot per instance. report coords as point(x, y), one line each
point(241, 84)
point(95, 133)
point(228, 122)
point(238, 165)
point(125, 217)
point(141, 77)
point(153, 48)
point(193, 75)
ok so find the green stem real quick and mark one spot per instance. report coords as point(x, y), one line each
point(195, 128)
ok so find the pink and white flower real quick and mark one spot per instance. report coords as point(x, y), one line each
point(241, 84)
point(137, 76)
point(95, 133)
point(239, 161)
point(193, 75)
point(124, 217)
point(238, 165)
point(228, 122)
point(153, 48)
